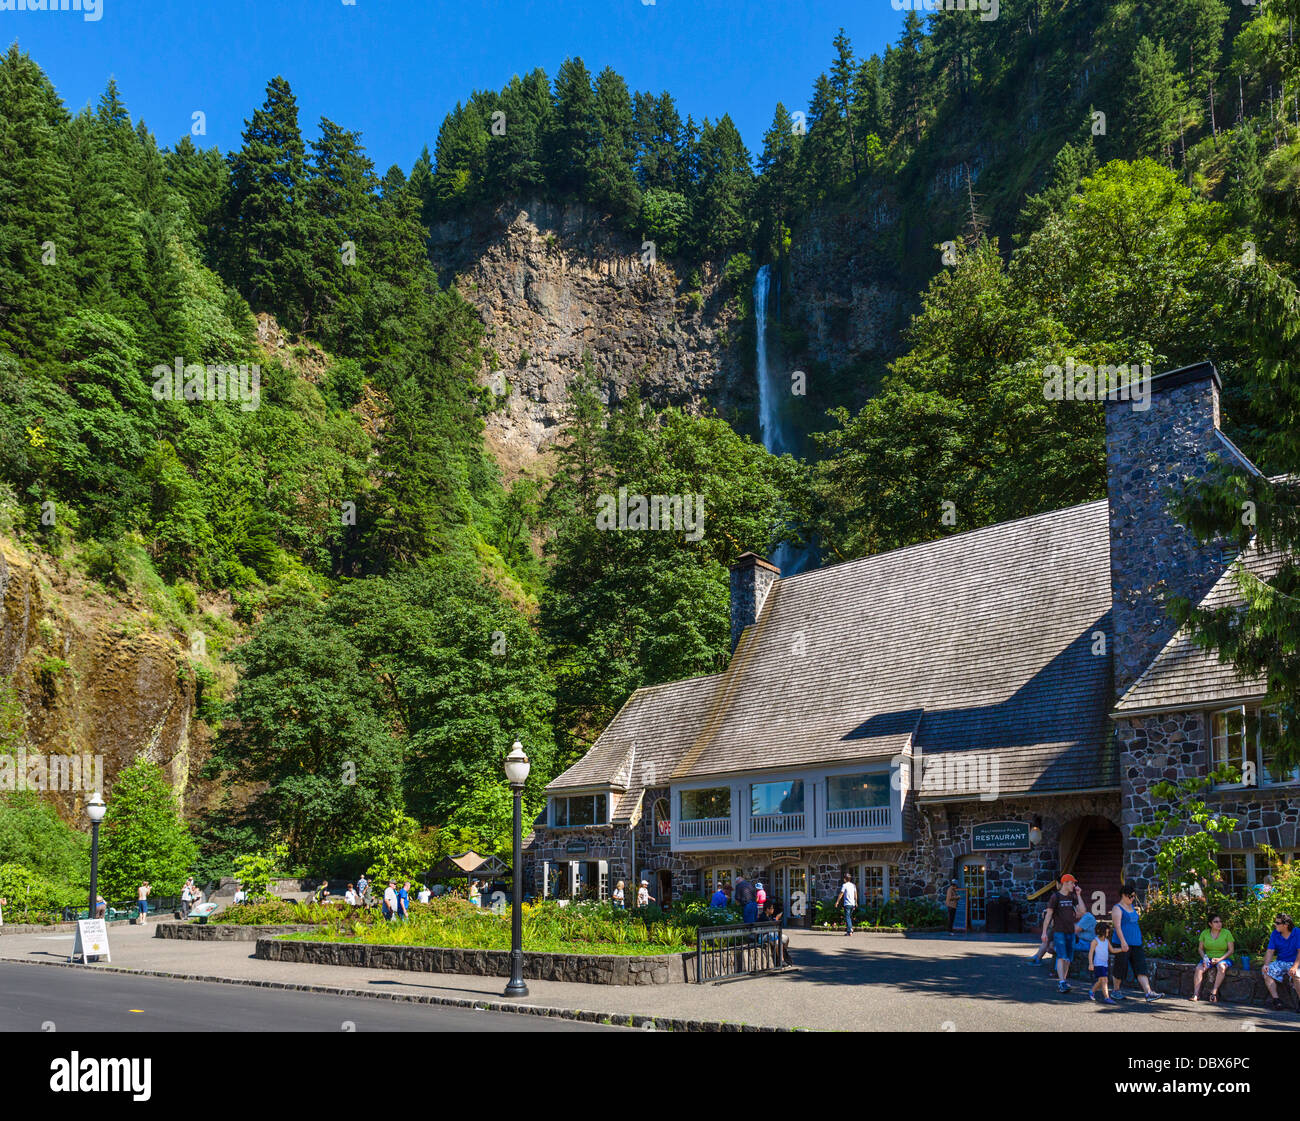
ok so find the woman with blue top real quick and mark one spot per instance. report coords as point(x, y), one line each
point(1280, 962)
point(1215, 947)
point(1126, 942)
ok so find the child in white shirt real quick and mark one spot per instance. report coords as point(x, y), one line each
point(1099, 961)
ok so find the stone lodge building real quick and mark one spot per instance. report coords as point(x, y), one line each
point(991, 707)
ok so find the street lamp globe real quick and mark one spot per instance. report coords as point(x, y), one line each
point(95, 808)
point(517, 765)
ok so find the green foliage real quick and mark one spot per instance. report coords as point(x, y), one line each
point(902, 914)
point(1188, 830)
point(34, 836)
point(143, 836)
point(34, 898)
point(255, 870)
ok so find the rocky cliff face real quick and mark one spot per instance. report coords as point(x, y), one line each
point(842, 302)
point(554, 283)
point(95, 676)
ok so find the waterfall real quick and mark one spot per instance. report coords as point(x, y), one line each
point(772, 421)
point(773, 411)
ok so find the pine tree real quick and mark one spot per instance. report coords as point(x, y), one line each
point(1154, 97)
point(36, 287)
point(268, 227)
point(611, 182)
point(726, 185)
point(572, 142)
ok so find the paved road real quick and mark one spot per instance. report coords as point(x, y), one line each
point(73, 1000)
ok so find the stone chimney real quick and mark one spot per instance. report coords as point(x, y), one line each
point(1153, 455)
point(751, 579)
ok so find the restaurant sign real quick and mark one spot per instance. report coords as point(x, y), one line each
point(1000, 836)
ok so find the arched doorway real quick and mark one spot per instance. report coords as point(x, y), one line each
point(1092, 848)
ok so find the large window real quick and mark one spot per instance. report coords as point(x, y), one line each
point(785, 797)
point(1245, 739)
point(876, 883)
point(700, 804)
point(857, 792)
point(580, 809)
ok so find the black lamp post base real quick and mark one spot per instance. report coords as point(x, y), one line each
point(516, 988)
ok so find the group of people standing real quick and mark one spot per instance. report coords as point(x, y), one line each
point(1115, 945)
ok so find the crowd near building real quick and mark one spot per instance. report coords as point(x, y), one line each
point(991, 707)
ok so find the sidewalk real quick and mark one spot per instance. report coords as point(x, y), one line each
point(869, 982)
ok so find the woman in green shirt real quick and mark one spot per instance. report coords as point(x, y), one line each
point(1216, 954)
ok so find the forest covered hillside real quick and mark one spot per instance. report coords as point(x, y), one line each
point(276, 416)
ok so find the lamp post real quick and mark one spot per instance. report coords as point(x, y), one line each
point(95, 811)
point(517, 774)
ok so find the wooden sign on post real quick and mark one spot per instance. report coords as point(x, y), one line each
point(91, 940)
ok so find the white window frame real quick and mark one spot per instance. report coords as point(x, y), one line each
point(1252, 751)
point(886, 877)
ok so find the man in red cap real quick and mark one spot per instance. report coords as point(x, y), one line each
point(1064, 907)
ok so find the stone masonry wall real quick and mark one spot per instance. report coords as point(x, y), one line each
point(1173, 747)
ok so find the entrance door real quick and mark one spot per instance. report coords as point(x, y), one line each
point(665, 892)
point(973, 874)
point(792, 886)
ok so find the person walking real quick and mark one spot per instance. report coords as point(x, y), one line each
point(1280, 959)
point(719, 897)
point(742, 895)
point(363, 889)
point(187, 898)
point(643, 896)
point(760, 897)
point(1215, 947)
point(390, 900)
point(1099, 962)
point(475, 894)
point(404, 901)
point(1126, 941)
point(619, 896)
point(142, 902)
point(848, 899)
point(950, 900)
point(1063, 907)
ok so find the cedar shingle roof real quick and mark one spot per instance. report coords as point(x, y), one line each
point(980, 641)
point(1185, 676)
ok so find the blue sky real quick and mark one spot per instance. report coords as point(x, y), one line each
point(393, 69)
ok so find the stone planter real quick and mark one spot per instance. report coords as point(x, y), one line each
point(587, 969)
point(221, 932)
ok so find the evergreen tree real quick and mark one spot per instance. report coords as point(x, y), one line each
point(611, 182)
point(36, 286)
point(268, 224)
point(144, 836)
point(573, 139)
point(1154, 100)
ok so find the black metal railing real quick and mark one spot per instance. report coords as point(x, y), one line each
point(734, 951)
point(124, 909)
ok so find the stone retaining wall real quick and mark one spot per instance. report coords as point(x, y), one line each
point(221, 932)
point(36, 928)
point(589, 969)
point(1174, 979)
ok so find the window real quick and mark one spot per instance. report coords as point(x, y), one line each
point(857, 792)
point(785, 797)
point(1228, 737)
point(581, 809)
point(661, 822)
point(710, 878)
point(1234, 872)
point(698, 805)
point(876, 883)
point(1245, 740)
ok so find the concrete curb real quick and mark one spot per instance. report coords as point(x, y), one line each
point(616, 1019)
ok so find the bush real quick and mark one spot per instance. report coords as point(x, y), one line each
point(902, 914)
point(32, 898)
